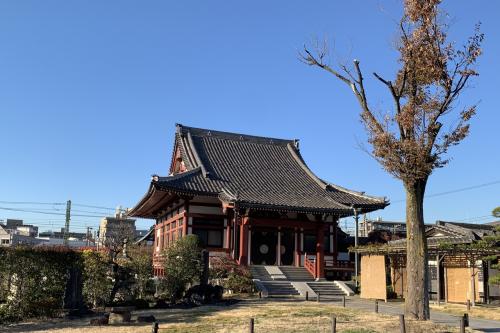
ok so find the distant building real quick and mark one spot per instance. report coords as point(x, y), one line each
point(72, 242)
point(368, 226)
point(113, 230)
point(14, 232)
point(27, 230)
point(13, 223)
point(60, 235)
point(452, 276)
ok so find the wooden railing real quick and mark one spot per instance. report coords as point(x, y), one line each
point(339, 265)
point(310, 265)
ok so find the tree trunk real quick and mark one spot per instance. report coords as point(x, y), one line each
point(417, 295)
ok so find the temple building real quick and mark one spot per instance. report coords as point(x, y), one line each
point(250, 198)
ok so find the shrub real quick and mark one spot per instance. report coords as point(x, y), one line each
point(236, 278)
point(141, 266)
point(182, 266)
point(97, 284)
point(204, 294)
point(34, 281)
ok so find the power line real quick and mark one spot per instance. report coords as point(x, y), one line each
point(47, 213)
point(32, 203)
point(97, 207)
point(473, 187)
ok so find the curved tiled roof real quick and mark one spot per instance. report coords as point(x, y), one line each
point(256, 172)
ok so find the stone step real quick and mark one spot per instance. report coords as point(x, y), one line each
point(279, 288)
point(296, 273)
point(326, 289)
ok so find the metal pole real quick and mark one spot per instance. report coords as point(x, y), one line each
point(402, 326)
point(462, 325)
point(356, 234)
point(66, 226)
point(438, 265)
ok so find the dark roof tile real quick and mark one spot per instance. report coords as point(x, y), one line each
point(258, 172)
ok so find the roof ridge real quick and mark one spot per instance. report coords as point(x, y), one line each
point(176, 176)
point(325, 184)
point(356, 193)
point(298, 158)
point(196, 156)
point(205, 132)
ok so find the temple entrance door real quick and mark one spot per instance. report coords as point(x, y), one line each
point(287, 246)
point(263, 247)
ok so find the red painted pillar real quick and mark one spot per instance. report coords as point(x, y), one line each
point(185, 224)
point(244, 241)
point(320, 253)
point(335, 240)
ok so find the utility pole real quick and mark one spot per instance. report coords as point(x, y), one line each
point(66, 227)
point(89, 234)
point(356, 233)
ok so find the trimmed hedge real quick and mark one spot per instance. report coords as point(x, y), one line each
point(33, 281)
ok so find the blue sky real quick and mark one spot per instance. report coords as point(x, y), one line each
point(90, 92)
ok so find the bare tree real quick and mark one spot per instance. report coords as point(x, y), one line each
point(411, 140)
point(117, 235)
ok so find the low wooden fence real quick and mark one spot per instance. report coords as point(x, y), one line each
point(251, 326)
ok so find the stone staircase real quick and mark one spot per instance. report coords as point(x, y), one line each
point(289, 281)
point(326, 290)
point(299, 274)
point(272, 287)
point(260, 273)
point(280, 289)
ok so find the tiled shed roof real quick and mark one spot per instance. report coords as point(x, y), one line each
point(255, 172)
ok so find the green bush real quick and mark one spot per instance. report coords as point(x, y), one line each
point(182, 266)
point(34, 281)
point(233, 277)
point(141, 266)
point(97, 283)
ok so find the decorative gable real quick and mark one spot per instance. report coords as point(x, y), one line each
point(178, 165)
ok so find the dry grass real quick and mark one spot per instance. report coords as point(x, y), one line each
point(269, 317)
point(478, 311)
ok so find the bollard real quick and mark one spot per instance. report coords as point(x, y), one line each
point(260, 294)
point(154, 328)
point(343, 301)
point(466, 319)
point(318, 296)
point(468, 305)
point(462, 325)
point(402, 325)
point(307, 295)
point(376, 306)
point(334, 324)
point(251, 326)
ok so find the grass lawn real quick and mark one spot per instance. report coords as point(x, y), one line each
point(270, 316)
point(478, 311)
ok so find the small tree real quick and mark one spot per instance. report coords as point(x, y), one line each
point(141, 265)
point(496, 212)
point(117, 235)
point(97, 284)
point(411, 140)
point(183, 266)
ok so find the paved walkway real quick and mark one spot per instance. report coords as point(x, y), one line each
point(438, 317)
